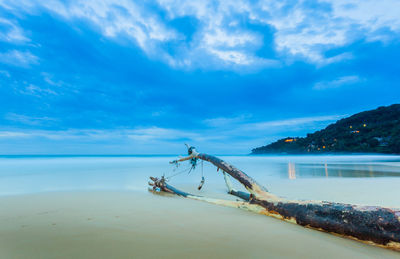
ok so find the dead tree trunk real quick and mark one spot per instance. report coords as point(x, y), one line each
point(369, 224)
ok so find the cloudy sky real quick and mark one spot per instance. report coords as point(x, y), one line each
point(144, 77)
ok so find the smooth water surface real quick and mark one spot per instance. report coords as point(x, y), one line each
point(363, 179)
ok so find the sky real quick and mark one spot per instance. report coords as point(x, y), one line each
point(145, 77)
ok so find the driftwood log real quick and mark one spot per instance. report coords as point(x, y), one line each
point(369, 224)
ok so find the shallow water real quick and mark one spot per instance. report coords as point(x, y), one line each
point(93, 206)
point(366, 179)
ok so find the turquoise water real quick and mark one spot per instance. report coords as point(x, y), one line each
point(363, 179)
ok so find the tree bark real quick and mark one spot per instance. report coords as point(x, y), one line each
point(369, 224)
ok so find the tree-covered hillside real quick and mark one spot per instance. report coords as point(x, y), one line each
point(375, 131)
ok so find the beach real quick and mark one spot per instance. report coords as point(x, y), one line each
point(121, 219)
point(131, 224)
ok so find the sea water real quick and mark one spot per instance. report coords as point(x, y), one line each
point(361, 179)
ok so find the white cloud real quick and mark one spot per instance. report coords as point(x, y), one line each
point(223, 135)
point(341, 81)
point(220, 38)
point(226, 121)
point(118, 18)
point(308, 32)
point(11, 32)
point(370, 14)
point(27, 120)
point(243, 120)
point(231, 56)
point(142, 135)
point(242, 127)
point(37, 91)
point(13, 134)
point(49, 79)
point(114, 18)
point(301, 30)
point(156, 133)
point(294, 122)
point(18, 58)
point(223, 37)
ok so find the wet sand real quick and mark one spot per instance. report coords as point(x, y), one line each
point(113, 224)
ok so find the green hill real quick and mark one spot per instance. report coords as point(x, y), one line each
point(375, 131)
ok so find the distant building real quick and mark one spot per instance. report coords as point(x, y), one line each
point(290, 139)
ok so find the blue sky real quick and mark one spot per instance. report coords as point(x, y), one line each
point(144, 77)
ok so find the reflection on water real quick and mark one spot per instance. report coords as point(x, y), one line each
point(299, 170)
point(306, 170)
point(326, 170)
point(292, 171)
